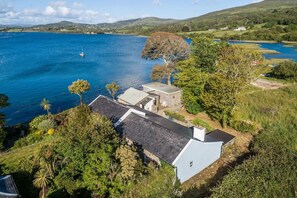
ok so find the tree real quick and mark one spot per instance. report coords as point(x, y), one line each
point(286, 70)
point(3, 103)
point(79, 87)
point(170, 47)
point(88, 143)
point(128, 160)
point(41, 180)
point(191, 80)
point(46, 105)
point(112, 89)
point(236, 68)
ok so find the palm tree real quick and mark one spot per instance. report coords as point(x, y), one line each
point(41, 180)
point(46, 105)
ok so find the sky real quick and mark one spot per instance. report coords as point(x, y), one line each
point(31, 12)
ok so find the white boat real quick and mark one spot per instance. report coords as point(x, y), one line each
point(82, 54)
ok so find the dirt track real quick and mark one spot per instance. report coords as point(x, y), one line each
point(265, 84)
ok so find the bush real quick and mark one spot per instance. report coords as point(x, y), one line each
point(46, 125)
point(203, 124)
point(286, 70)
point(193, 107)
point(174, 115)
point(2, 137)
point(243, 126)
point(36, 121)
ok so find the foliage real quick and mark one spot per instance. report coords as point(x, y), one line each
point(203, 124)
point(41, 181)
point(235, 69)
point(3, 101)
point(46, 105)
point(243, 126)
point(128, 158)
point(79, 87)
point(112, 88)
point(159, 73)
point(286, 70)
point(170, 47)
point(36, 121)
point(88, 142)
point(3, 134)
point(159, 183)
point(271, 172)
point(46, 125)
point(175, 115)
point(191, 80)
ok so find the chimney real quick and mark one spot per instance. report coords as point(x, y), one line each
point(199, 133)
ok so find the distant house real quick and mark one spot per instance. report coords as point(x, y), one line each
point(8, 188)
point(169, 95)
point(139, 98)
point(224, 28)
point(188, 150)
point(242, 28)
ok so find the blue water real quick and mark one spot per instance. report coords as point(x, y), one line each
point(34, 66)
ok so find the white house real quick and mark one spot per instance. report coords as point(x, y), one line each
point(242, 28)
point(188, 150)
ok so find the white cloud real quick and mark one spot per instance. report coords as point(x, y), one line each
point(53, 12)
point(257, 1)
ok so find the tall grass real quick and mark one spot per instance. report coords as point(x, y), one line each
point(271, 172)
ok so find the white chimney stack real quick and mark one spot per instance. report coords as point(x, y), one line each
point(199, 133)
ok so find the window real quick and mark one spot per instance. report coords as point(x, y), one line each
point(191, 163)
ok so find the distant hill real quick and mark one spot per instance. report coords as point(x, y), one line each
point(282, 12)
point(148, 21)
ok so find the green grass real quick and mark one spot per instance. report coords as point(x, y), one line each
point(271, 171)
point(201, 123)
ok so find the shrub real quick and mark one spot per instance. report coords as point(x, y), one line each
point(286, 70)
point(2, 137)
point(203, 124)
point(243, 126)
point(46, 125)
point(174, 115)
point(193, 107)
point(36, 121)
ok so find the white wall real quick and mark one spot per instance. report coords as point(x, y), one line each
point(149, 105)
point(201, 154)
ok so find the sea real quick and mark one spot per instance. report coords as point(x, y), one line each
point(34, 66)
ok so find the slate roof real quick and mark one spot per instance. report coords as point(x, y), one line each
point(162, 87)
point(105, 106)
point(218, 135)
point(162, 142)
point(8, 187)
point(133, 96)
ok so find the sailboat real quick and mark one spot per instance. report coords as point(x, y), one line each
point(82, 54)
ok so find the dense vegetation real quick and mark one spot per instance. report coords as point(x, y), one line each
point(3, 103)
point(271, 171)
point(77, 153)
point(286, 70)
point(213, 77)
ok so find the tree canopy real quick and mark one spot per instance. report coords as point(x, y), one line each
point(112, 89)
point(79, 87)
point(170, 47)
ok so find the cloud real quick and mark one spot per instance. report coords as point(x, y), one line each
point(53, 12)
point(257, 1)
